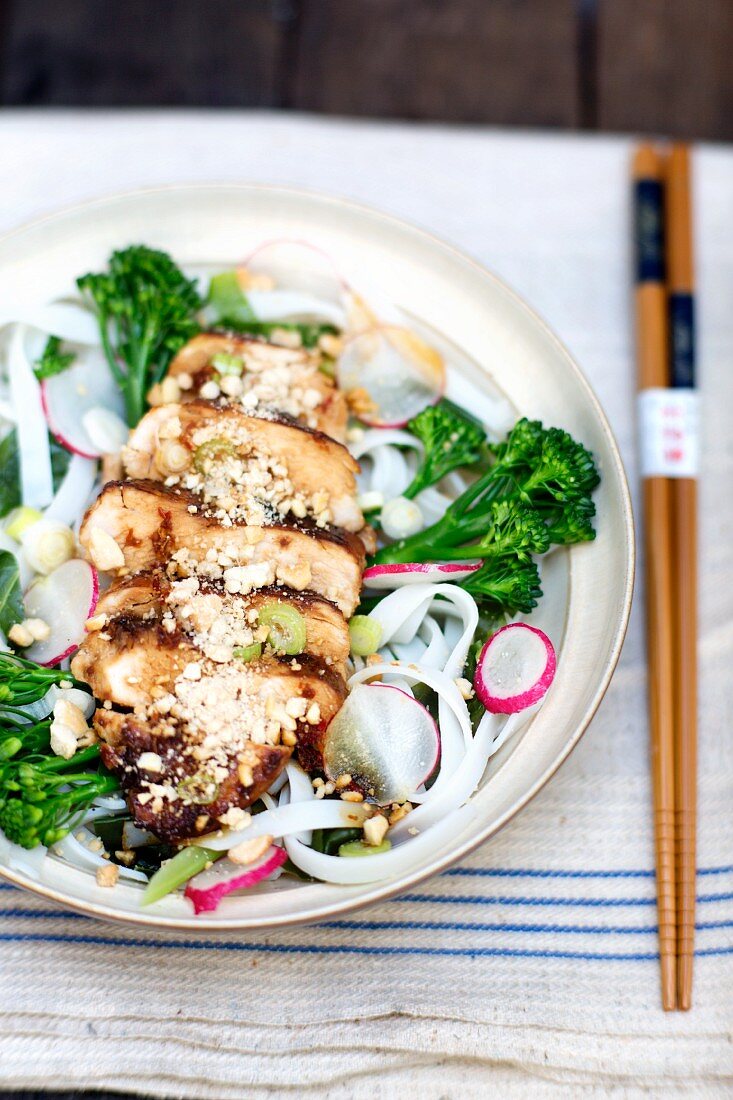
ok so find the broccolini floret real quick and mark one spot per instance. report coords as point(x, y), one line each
point(146, 308)
point(451, 439)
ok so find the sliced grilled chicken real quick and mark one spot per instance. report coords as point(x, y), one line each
point(287, 379)
point(136, 525)
point(126, 738)
point(145, 596)
point(181, 776)
point(136, 656)
point(312, 471)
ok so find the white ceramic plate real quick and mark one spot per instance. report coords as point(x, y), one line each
point(494, 342)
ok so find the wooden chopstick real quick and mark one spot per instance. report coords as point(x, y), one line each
point(684, 550)
point(652, 355)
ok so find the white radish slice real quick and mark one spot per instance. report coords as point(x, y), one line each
point(515, 669)
point(207, 889)
point(385, 740)
point(36, 478)
point(65, 599)
point(74, 491)
point(398, 371)
point(106, 429)
point(293, 305)
point(69, 396)
point(397, 574)
point(299, 266)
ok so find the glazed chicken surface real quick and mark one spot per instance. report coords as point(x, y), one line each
point(235, 548)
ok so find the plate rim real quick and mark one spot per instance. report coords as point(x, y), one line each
point(380, 892)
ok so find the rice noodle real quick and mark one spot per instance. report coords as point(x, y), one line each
point(36, 478)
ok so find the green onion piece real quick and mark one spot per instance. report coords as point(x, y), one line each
point(224, 363)
point(20, 519)
point(248, 652)
point(359, 848)
point(287, 627)
point(211, 452)
point(365, 634)
point(199, 789)
point(184, 865)
point(228, 300)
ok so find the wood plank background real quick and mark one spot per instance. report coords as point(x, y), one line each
point(655, 66)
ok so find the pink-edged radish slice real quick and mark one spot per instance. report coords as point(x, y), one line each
point(385, 740)
point(296, 265)
point(207, 889)
point(106, 429)
point(515, 669)
point(65, 599)
point(395, 373)
point(68, 397)
point(397, 574)
point(294, 305)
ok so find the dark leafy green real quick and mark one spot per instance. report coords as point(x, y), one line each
point(10, 496)
point(11, 595)
point(53, 360)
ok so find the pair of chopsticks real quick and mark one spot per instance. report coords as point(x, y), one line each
point(668, 452)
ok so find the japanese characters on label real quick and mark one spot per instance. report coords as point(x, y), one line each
point(668, 432)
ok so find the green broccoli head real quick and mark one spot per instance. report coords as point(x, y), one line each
point(506, 586)
point(451, 439)
point(514, 527)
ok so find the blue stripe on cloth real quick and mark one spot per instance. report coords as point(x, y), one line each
point(525, 872)
point(427, 925)
point(479, 899)
point(314, 949)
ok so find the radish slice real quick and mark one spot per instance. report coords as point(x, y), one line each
point(385, 740)
point(299, 266)
point(207, 889)
point(106, 429)
point(398, 574)
point(65, 599)
point(68, 397)
point(515, 668)
point(399, 373)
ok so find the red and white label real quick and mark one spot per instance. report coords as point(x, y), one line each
point(668, 432)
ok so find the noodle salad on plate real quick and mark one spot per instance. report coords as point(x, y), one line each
point(266, 593)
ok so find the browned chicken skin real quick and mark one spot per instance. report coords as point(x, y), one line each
point(151, 523)
point(282, 376)
point(316, 465)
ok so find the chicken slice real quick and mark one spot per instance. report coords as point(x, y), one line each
point(147, 643)
point(217, 740)
point(275, 377)
point(144, 596)
point(136, 525)
point(309, 472)
point(126, 738)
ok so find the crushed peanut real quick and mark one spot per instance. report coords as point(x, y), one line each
point(107, 875)
point(250, 850)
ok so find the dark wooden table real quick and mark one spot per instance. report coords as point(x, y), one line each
point(640, 65)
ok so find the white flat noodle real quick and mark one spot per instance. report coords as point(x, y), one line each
point(29, 861)
point(286, 820)
point(69, 503)
point(374, 438)
point(294, 305)
point(36, 478)
point(66, 320)
point(496, 412)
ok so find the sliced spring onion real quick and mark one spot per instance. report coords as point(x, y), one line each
point(199, 789)
point(211, 452)
point(47, 544)
point(365, 634)
point(359, 848)
point(287, 627)
point(224, 363)
point(247, 652)
point(184, 865)
point(227, 300)
point(19, 520)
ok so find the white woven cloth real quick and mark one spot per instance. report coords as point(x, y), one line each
point(531, 970)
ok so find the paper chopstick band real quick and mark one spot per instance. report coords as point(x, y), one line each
point(668, 432)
